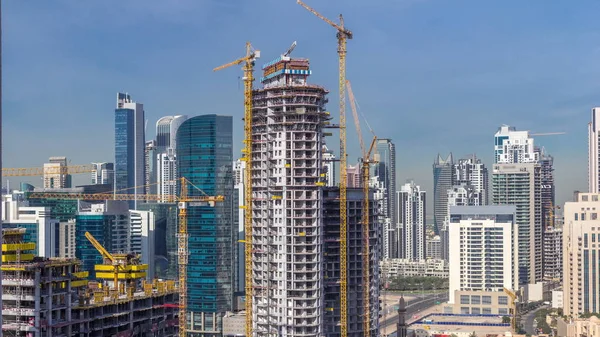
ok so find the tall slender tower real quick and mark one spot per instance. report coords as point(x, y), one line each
point(385, 171)
point(443, 179)
point(287, 138)
point(516, 180)
point(205, 158)
point(129, 147)
point(411, 222)
point(593, 155)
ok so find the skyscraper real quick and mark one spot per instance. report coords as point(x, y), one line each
point(546, 162)
point(166, 149)
point(518, 184)
point(385, 171)
point(103, 173)
point(289, 118)
point(516, 180)
point(204, 157)
point(593, 152)
point(411, 222)
point(55, 173)
point(443, 180)
point(129, 147)
point(581, 255)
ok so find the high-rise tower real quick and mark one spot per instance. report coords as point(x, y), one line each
point(516, 180)
point(443, 180)
point(411, 222)
point(129, 147)
point(204, 158)
point(593, 152)
point(287, 138)
point(385, 171)
point(103, 173)
point(166, 149)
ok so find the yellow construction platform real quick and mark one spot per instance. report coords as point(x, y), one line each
point(121, 276)
point(130, 268)
point(13, 247)
point(13, 258)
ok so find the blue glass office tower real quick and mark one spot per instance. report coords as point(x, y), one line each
point(129, 147)
point(205, 158)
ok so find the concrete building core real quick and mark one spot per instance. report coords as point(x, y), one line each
point(287, 139)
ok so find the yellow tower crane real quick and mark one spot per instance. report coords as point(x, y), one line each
point(182, 237)
point(366, 165)
point(118, 266)
point(248, 61)
point(513, 307)
point(342, 35)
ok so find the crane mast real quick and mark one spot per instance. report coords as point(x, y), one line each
point(248, 68)
point(182, 257)
point(366, 262)
point(342, 35)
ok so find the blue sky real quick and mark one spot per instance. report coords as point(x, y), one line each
point(433, 75)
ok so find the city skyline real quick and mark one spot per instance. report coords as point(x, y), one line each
point(475, 100)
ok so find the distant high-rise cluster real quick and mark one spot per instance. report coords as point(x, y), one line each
point(55, 173)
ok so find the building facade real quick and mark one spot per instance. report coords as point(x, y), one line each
point(444, 177)
point(129, 147)
point(512, 146)
point(56, 174)
point(471, 171)
point(204, 157)
point(519, 185)
point(408, 268)
point(165, 238)
point(581, 255)
point(41, 228)
point(385, 171)
point(411, 222)
point(142, 231)
point(165, 155)
point(289, 119)
point(108, 222)
point(331, 263)
point(103, 173)
point(482, 251)
point(329, 167)
point(553, 253)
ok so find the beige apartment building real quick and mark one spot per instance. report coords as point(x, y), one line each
point(581, 255)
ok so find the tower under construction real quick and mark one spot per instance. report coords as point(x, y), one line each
point(289, 118)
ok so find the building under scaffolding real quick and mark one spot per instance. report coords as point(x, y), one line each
point(52, 297)
point(289, 118)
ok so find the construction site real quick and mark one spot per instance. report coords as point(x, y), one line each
point(311, 247)
point(52, 297)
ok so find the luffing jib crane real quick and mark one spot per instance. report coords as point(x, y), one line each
point(342, 35)
point(248, 61)
point(182, 237)
point(367, 161)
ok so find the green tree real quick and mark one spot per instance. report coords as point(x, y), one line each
point(505, 319)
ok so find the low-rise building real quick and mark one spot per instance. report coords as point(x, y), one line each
point(585, 327)
point(409, 268)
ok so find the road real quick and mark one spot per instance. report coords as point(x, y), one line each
point(413, 307)
point(528, 321)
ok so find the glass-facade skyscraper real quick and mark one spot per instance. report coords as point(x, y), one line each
point(385, 171)
point(205, 158)
point(129, 147)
